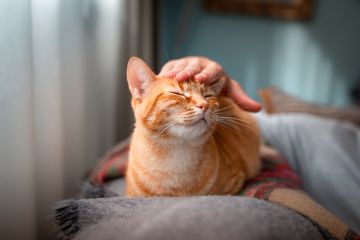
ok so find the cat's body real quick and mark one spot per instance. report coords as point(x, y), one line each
point(187, 140)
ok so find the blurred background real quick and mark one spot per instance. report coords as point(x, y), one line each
point(63, 94)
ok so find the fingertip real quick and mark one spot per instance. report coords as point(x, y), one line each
point(182, 76)
point(246, 103)
point(256, 107)
point(201, 77)
point(249, 105)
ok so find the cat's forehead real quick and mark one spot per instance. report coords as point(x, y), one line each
point(192, 86)
point(186, 86)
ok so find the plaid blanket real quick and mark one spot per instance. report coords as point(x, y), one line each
point(276, 183)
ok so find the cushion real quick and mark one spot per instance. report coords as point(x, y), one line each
point(276, 101)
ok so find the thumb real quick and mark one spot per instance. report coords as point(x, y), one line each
point(241, 98)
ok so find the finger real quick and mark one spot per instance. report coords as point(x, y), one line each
point(189, 71)
point(170, 74)
point(178, 67)
point(167, 68)
point(241, 98)
point(173, 67)
point(201, 77)
point(210, 73)
point(184, 75)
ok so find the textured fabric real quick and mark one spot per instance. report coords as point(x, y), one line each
point(276, 101)
point(277, 183)
point(200, 218)
point(326, 155)
point(276, 174)
point(112, 165)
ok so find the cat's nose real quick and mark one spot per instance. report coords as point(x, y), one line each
point(203, 106)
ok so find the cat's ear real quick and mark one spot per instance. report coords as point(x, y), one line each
point(139, 76)
point(218, 85)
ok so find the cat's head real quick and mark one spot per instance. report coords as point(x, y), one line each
point(171, 109)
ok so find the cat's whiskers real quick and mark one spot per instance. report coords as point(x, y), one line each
point(188, 118)
point(225, 108)
point(185, 112)
point(227, 126)
point(234, 121)
point(220, 133)
point(230, 122)
point(162, 130)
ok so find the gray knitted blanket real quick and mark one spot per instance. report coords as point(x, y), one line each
point(206, 217)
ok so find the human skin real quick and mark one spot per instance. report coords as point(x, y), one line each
point(203, 69)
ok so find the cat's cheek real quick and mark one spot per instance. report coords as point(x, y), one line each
point(214, 105)
point(151, 119)
point(174, 115)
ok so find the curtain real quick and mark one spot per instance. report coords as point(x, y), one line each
point(63, 98)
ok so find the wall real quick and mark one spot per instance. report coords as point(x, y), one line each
point(316, 61)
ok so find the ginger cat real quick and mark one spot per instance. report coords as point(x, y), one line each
point(188, 139)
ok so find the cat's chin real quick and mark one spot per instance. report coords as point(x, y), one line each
point(190, 131)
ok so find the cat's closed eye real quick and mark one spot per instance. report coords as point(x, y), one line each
point(177, 93)
point(209, 95)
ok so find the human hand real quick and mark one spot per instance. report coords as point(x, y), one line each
point(205, 70)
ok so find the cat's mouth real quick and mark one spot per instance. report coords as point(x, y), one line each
point(197, 122)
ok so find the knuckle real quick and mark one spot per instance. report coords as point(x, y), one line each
point(194, 67)
point(218, 67)
point(171, 62)
point(168, 65)
point(195, 62)
point(205, 73)
point(191, 70)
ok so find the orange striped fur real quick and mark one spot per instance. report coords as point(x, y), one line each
point(187, 140)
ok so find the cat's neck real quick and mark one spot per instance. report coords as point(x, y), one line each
point(180, 155)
